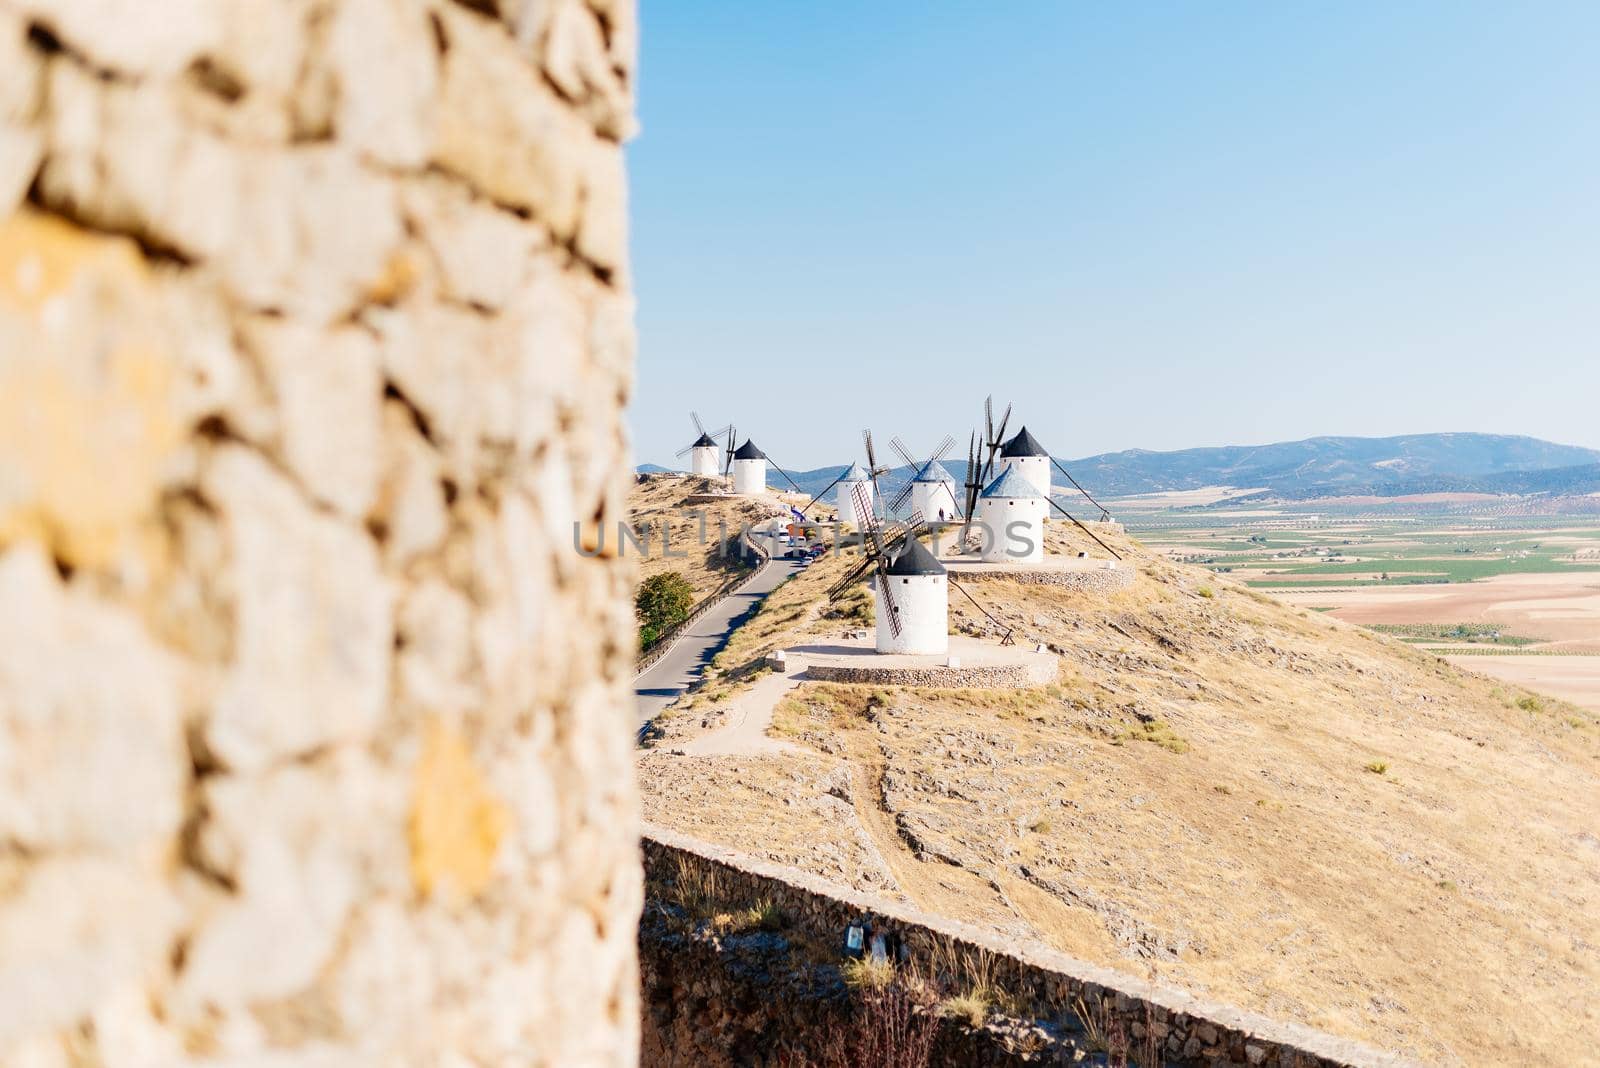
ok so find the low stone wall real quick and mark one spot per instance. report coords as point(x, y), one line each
point(736, 1003)
point(1033, 672)
point(1096, 580)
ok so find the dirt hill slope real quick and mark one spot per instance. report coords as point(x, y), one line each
point(1260, 803)
point(708, 555)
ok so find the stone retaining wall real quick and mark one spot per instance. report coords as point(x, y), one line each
point(1088, 580)
point(1048, 985)
point(983, 676)
point(315, 334)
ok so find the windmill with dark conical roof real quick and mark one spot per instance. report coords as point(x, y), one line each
point(913, 603)
point(703, 451)
point(1023, 454)
point(912, 587)
point(749, 466)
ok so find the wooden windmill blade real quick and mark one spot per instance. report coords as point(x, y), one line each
point(1057, 506)
point(900, 498)
point(874, 468)
point(699, 433)
point(727, 459)
point(869, 523)
point(944, 448)
point(996, 439)
point(1000, 431)
point(886, 599)
point(880, 560)
point(973, 483)
point(904, 453)
point(853, 576)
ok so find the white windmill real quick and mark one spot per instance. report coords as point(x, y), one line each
point(1010, 517)
point(704, 452)
point(749, 466)
point(919, 600)
point(854, 477)
point(1022, 454)
point(931, 491)
point(911, 587)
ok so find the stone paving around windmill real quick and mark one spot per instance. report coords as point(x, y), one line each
point(976, 664)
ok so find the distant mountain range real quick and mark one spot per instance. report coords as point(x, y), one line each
point(1320, 467)
point(1315, 467)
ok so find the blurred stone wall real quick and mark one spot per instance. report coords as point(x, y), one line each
point(315, 330)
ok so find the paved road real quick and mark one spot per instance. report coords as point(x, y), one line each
point(693, 650)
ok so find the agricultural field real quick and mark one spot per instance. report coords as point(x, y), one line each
point(1512, 596)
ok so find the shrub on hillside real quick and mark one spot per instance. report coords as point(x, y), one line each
point(663, 601)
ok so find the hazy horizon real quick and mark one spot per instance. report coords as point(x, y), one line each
point(1182, 227)
point(958, 454)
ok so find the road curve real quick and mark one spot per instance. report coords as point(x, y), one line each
point(694, 648)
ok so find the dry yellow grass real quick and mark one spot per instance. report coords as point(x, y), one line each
point(706, 560)
point(1448, 907)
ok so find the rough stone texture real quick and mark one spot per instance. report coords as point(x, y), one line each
point(315, 333)
point(715, 1004)
point(985, 676)
point(1085, 580)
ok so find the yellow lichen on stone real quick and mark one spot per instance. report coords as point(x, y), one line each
point(457, 824)
point(86, 388)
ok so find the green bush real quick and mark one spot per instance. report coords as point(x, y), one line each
point(663, 602)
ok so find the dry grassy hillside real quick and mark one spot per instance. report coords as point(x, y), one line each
point(707, 560)
point(1267, 806)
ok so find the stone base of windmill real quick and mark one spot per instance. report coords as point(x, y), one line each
point(1083, 574)
point(969, 663)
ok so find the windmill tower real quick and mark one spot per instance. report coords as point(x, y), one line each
point(704, 451)
point(855, 476)
point(1033, 461)
point(1011, 513)
point(849, 478)
point(912, 603)
point(911, 587)
point(1024, 455)
point(932, 491)
point(749, 469)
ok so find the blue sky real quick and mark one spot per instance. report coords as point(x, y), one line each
point(1154, 225)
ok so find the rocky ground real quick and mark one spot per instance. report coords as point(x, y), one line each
point(1267, 806)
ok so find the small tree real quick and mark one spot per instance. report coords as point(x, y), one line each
point(663, 601)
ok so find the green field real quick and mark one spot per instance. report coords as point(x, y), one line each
point(1290, 549)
